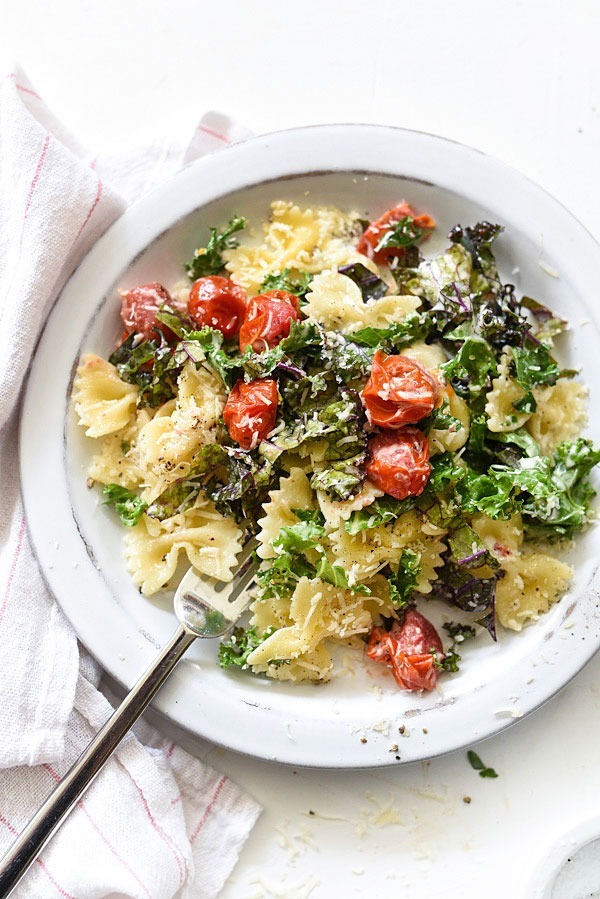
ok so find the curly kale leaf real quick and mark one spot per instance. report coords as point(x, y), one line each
point(403, 234)
point(416, 326)
point(235, 651)
point(557, 491)
point(297, 282)
point(462, 589)
point(371, 286)
point(381, 511)
point(150, 366)
point(472, 367)
point(129, 506)
point(404, 580)
point(209, 260)
point(534, 366)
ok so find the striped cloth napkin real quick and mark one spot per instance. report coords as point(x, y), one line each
point(157, 823)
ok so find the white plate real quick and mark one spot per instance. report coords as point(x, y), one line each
point(78, 541)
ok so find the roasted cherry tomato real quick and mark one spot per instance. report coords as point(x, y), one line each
point(399, 391)
point(268, 320)
point(139, 308)
point(219, 303)
point(398, 462)
point(408, 649)
point(251, 411)
point(371, 238)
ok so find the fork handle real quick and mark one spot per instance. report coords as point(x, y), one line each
point(51, 814)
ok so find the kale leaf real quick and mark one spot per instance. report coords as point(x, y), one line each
point(381, 511)
point(129, 506)
point(209, 260)
point(297, 283)
point(235, 651)
point(371, 286)
point(405, 579)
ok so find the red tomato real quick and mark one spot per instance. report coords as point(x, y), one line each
point(139, 308)
point(268, 320)
point(399, 391)
point(368, 243)
point(398, 462)
point(219, 303)
point(251, 411)
point(408, 649)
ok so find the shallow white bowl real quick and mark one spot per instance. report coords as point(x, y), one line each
point(78, 541)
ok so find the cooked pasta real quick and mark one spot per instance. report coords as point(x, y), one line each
point(395, 431)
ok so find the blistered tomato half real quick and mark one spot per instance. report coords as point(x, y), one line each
point(268, 320)
point(251, 411)
point(399, 391)
point(409, 650)
point(219, 303)
point(398, 462)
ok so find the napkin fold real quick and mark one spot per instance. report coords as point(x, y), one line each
point(157, 823)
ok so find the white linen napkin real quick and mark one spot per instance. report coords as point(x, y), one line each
point(157, 823)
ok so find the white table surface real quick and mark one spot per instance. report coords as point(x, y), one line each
point(518, 79)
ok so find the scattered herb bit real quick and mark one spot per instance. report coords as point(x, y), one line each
point(209, 260)
point(478, 765)
point(129, 506)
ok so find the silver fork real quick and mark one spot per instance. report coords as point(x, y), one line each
point(204, 608)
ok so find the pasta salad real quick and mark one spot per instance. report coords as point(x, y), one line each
point(395, 429)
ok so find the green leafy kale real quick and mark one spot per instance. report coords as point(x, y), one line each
point(416, 326)
point(297, 283)
point(126, 503)
point(535, 366)
point(150, 366)
point(557, 491)
point(405, 579)
point(458, 634)
point(404, 233)
point(472, 367)
point(381, 511)
point(477, 241)
point(371, 287)
point(235, 651)
point(297, 538)
point(209, 260)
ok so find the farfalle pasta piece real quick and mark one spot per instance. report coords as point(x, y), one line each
point(166, 444)
point(335, 301)
point(366, 553)
point(532, 582)
point(103, 402)
point(502, 415)
point(308, 239)
point(118, 459)
point(317, 610)
point(294, 492)
point(560, 414)
point(210, 542)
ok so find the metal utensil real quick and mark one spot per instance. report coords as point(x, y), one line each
point(204, 608)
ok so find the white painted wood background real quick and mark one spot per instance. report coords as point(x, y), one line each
point(518, 79)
